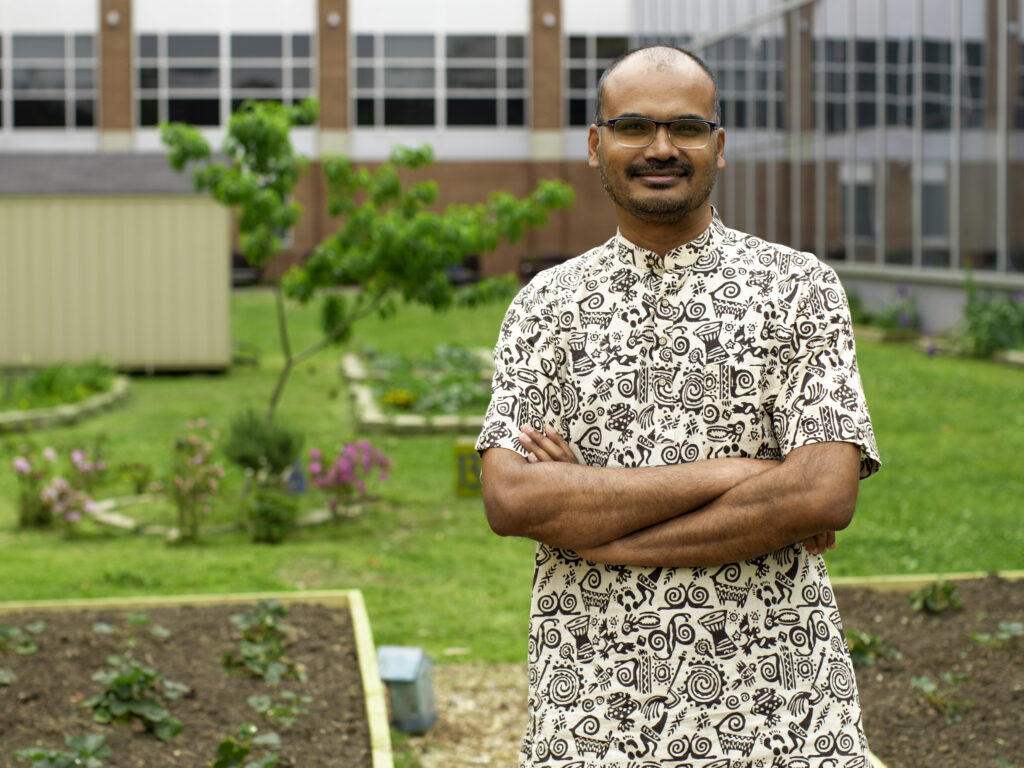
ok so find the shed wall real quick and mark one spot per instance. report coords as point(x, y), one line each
point(142, 282)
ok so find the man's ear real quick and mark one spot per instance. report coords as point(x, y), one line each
point(593, 142)
point(720, 138)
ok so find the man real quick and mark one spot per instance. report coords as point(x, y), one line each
point(677, 419)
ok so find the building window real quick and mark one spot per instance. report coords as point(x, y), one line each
point(830, 84)
point(395, 80)
point(271, 68)
point(485, 80)
point(455, 80)
point(731, 62)
point(588, 57)
point(179, 77)
point(972, 84)
point(52, 81)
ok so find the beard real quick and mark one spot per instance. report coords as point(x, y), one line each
point(660, 209)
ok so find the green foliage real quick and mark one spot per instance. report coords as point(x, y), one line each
point(265, 633)
point(234, 750)
point(6, 677)
point(20, 640)
point(942, 697)
point(391, 244)
point(991, 324)
point(867, 648)
point(255, 444)
point(285, 712)
point(86, 752)
point(936, 598)
point(448, 380)
point(136, 692)
point(1007, 632)
point(272, 515)
point(195, 477)
point(900, 313)
point(54, 385)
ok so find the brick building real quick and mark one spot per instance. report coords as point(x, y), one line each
point(885, 135)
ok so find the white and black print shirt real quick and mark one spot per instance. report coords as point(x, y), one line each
point(726, 346)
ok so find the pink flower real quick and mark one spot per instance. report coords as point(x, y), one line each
point(22, 465)
point(49, 454)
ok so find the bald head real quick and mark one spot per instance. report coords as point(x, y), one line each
point(662, 58)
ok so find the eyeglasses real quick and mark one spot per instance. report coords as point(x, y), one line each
point(640, 131)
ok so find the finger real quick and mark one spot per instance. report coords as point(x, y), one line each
point(534, 451)
point(815, 545)
point(562, 445)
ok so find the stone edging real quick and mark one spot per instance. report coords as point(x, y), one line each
point(59, 415)
point(370, 418)
point(374, 695)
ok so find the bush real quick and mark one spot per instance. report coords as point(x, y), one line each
point(272, 515)
point(991, 324)
point(54, 385)
point(256, 445)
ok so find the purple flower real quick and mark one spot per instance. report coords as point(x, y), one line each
point(21, 465)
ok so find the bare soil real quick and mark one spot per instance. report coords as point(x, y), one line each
point(43, 704)
point(976, 723)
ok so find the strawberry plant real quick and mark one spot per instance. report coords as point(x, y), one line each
point(936, 598)
point(284, 713)
point(135, 691)
point(86, 752)
point(262, 648)
point(233, 751)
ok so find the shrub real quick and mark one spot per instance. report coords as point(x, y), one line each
point(991, 324)
point(54, 385)
point(195, 477)
point(272, 514)
point(254, 444)
point(34, 473)
point(345, 476)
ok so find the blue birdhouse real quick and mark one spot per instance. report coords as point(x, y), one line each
point(409, 675)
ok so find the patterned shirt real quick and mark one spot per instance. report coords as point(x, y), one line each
point(726, 346)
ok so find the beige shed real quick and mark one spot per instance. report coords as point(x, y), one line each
point(111, 256)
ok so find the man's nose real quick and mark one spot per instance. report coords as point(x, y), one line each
point(661, 145)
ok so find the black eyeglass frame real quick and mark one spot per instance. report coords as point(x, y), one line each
point(712, 126)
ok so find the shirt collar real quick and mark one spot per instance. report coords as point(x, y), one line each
point(680, 257)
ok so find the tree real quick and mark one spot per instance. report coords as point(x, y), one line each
point(391, 243)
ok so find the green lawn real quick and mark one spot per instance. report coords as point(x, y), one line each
point(948, 499)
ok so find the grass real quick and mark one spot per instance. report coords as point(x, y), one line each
point(948, 499)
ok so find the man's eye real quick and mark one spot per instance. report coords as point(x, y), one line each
point(633, 127)
point(687, 128)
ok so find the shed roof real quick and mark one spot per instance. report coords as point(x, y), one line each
point(109, 173)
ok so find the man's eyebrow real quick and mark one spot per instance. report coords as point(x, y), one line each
point(690, 116)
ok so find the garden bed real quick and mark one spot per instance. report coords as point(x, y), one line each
point(346, 720)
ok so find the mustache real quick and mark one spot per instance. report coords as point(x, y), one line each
point(675, 166)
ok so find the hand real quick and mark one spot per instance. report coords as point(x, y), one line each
point(820, 543)
point(546, 446)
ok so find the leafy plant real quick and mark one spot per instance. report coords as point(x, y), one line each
point(34, 473)
point(54, 385)
point(195, 477)
point(255, 444)
point(265, 633)
point(391, 244)
point(284, 713)
point(139, 475)
point(86, 752)
point(20, 640)
point(943, 698)
point(448, 380)
point(991, 324)
point(345, 476)
point(900, 313)
point(866, 648)
point(936, 598)
point(272, 514)
point(136, 691)
point(1007, 632)
point(233, 750)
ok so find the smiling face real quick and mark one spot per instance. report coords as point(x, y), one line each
point(660, 183)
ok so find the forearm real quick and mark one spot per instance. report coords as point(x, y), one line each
point(577, 507)
point(813, 491)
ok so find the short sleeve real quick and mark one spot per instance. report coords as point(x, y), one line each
point(821, 398)
point(524, 389)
